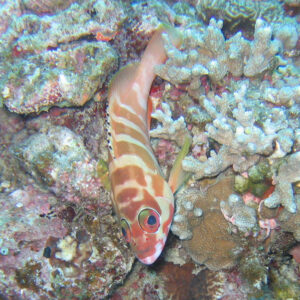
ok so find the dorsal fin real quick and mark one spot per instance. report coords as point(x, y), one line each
point(122, 81)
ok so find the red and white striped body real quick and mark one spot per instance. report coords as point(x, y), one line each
point(141, 196)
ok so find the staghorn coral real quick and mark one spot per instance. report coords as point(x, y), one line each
point(236, 130)
point(170, 129)
point(286, 95)
point(207, 52)
point(262, 50)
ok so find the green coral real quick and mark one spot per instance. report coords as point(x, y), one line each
point(197, 116)
point(241, 184)
point(259, 172)
point(257, 181)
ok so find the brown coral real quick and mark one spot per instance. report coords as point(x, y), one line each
point(211, 242)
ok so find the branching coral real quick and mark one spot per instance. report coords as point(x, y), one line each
point(288, 173)
point(242, 141)
point(170, 129)
point(207, 52)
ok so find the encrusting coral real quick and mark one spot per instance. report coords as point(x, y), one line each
point(198, 221)
point(53, 157)
point(57, 60)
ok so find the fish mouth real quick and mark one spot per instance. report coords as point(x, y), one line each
point(149, 259)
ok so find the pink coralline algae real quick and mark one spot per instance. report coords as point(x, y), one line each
point(40, 254)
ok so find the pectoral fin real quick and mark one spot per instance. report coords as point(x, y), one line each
point(177, 175)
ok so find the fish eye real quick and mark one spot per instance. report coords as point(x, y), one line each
point(149, 220)
point(126, 230)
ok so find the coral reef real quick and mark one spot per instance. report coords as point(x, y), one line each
point(237, 13)
point(54, 156)
point(232, 88)
point(170, 129)
point(288, 173)
point(207, 52)
point(199, 222)
point(57, 60)
point(242, 141)
point(60, 77)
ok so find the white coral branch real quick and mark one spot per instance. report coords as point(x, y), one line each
point(170, 129)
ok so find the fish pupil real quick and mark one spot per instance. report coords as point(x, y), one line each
point(151, 220)
point(124, 232)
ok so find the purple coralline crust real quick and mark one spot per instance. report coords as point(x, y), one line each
point(26, 222)
point(88, 255)
point(87, 251)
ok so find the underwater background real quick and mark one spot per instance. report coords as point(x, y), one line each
point(232, 87)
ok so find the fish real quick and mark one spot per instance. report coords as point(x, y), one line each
point(142, 199)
